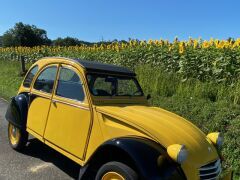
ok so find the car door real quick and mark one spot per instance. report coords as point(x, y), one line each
point(69, 116)
point(40, 100)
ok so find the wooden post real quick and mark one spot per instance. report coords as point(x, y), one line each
point(23, 67)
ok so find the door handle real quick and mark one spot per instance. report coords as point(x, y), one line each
point(54, 103)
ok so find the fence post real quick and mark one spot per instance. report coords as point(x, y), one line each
point(23, 67)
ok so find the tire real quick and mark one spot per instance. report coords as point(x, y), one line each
point(116, 170)
point(17, 138)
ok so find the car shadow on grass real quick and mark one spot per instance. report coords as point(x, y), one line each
point(37, 149)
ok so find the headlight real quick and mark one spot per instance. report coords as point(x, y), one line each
point(177, 152)
point(216, 138)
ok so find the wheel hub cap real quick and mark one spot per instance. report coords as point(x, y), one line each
point(14, 134)
point(112, 176)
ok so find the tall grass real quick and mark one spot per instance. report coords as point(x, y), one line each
point(158, 82)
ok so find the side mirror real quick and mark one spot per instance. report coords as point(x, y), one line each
point(149, 97)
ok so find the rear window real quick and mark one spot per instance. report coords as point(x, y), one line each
point(28, 80)
point(113, 85)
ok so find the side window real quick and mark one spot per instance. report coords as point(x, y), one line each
point(70, 85)
point(28, 80)
point(45, 80)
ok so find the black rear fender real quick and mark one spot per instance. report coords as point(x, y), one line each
point(17, 111)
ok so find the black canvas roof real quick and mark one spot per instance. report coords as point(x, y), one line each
point(93, 66)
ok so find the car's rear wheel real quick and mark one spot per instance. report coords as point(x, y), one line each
point(116, 171)
point(17, 138)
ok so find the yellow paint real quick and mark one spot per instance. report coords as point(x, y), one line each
point(96, 138)
point(65, 153)
point(73, 124)
point(77, 129)
point(38, 115)
point(213, 137)
point(115, 128)
point(35, 135)
point(173, 151)
point(68, 127)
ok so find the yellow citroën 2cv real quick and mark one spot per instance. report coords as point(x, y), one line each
point(97, 115)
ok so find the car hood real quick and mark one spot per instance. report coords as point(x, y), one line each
point(166, 128)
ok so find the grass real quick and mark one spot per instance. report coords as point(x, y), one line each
point(9, 78)
point(211, 106)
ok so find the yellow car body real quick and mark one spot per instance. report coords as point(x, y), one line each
point(77, 129)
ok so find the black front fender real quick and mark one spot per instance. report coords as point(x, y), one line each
point(144, 154)
point(17, 111)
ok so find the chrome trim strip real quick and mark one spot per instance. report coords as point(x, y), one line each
point(207, 164)
point(211, 169)
point(70, 104)
point(215, 172)
point(37, 94)
point(74, 100)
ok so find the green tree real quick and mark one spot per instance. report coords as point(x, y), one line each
point(68, 41)
point(0, 41)
point(25, 35)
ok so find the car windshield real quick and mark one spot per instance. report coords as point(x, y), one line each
point(111, 85)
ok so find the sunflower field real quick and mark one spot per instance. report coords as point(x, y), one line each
point(196, 79)
point(215, 60)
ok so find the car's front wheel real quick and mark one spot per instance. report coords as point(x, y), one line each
point(116, 171)
point(17, 138)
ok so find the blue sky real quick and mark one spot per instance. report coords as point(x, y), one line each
point(92, 20)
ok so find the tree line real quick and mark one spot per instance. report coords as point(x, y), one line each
point(29, 35)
